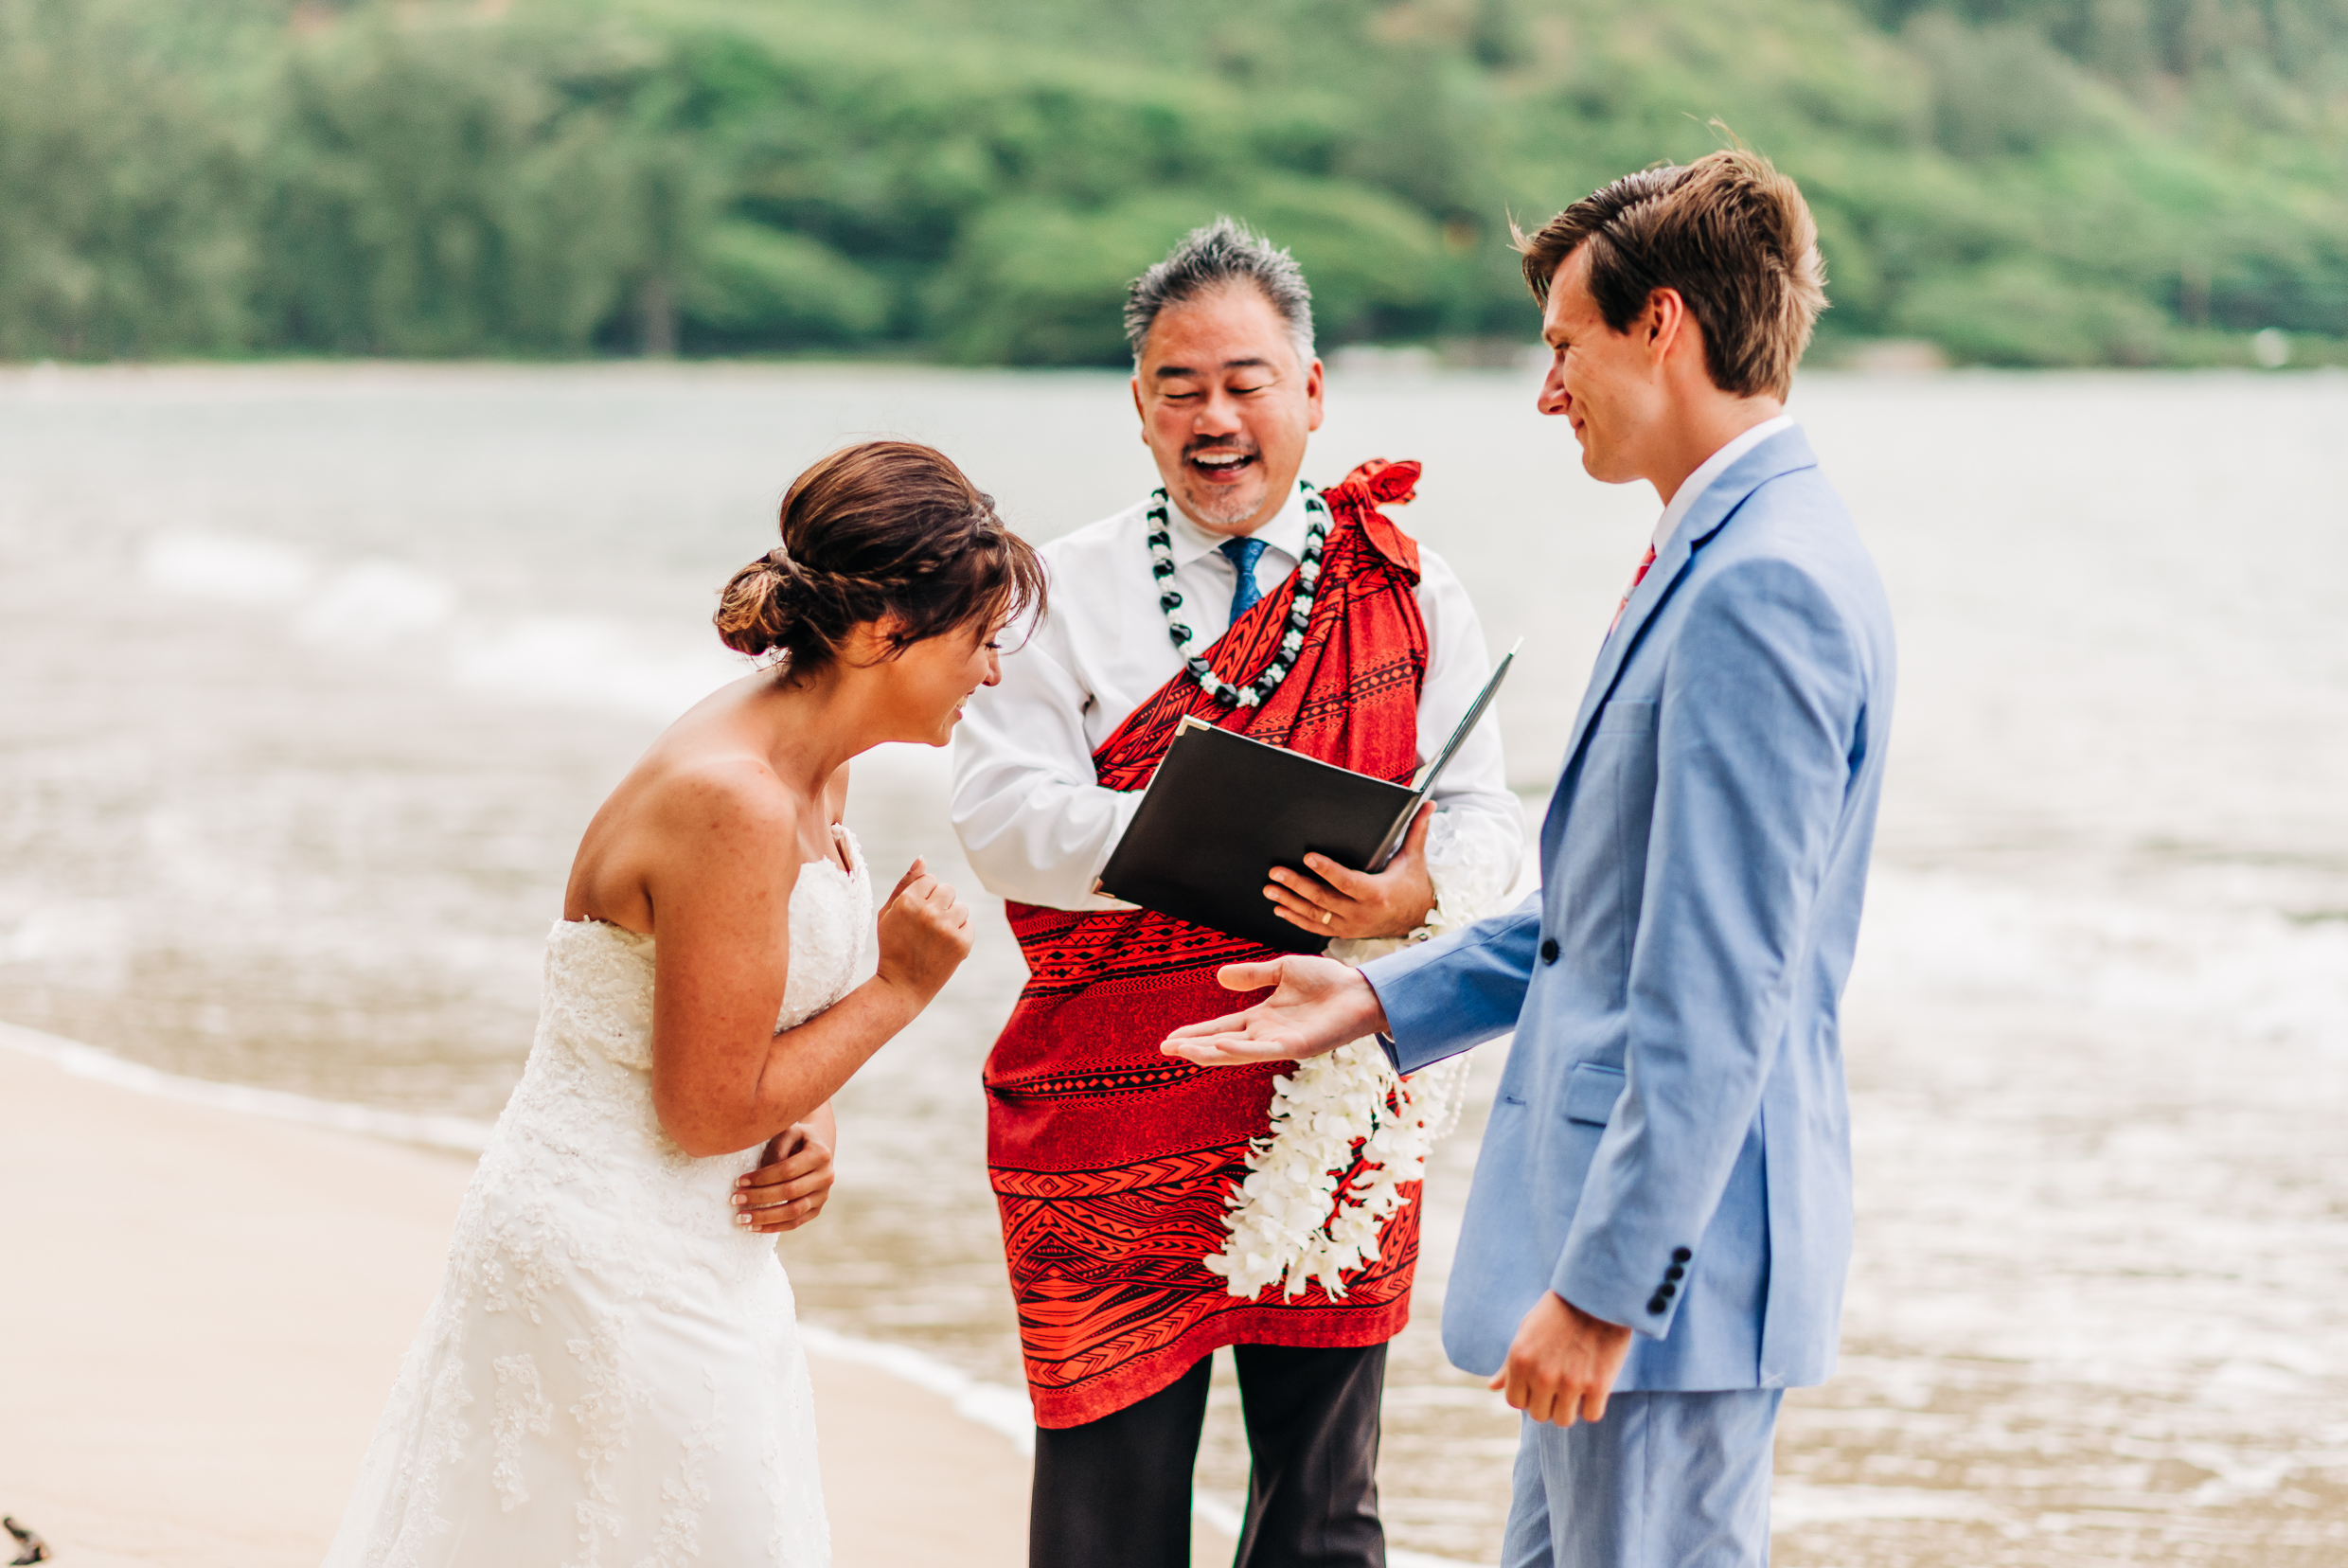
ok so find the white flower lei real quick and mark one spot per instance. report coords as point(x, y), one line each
point(1347, 1131)
point(1347, 1134)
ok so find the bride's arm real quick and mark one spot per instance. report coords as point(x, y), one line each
point(721, 888)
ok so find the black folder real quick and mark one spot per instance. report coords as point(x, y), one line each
point(1223, 809)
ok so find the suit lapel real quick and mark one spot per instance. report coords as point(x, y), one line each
point(1784, 452)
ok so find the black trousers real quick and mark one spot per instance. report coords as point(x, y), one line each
point(1115, 1492)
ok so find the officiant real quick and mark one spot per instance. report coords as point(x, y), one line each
point(1306, 617)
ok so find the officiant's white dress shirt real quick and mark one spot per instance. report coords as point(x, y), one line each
point(1034, 822)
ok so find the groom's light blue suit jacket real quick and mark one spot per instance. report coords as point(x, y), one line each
point(1670, 1148)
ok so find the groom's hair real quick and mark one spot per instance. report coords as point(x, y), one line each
point(1214, 257)
point(1729, 232)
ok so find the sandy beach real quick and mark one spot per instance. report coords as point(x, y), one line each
point(204, 1311)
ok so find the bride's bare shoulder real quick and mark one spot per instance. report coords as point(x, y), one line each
point(687, 803)
point(718, 792)
point(702, 813)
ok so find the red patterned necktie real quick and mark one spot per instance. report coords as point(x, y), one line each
point(1636, 577)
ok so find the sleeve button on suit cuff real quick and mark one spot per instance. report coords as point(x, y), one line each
point(1655, 1306)
point(1674, 1272)
point(1681, 1254)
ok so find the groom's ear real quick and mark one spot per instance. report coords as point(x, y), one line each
point(1665, 322)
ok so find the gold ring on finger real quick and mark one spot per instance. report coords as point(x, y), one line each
point(1328, 916)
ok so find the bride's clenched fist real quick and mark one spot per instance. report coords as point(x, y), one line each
point(925, 933)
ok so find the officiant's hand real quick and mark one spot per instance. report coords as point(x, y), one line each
point(1316, 1005)
point(1562, 1364)
point(1336, 903)
point(793, 1178)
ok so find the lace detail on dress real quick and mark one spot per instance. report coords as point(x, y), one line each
point(634, 1352)
point(522, 1410)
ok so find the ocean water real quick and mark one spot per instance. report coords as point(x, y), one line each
point(310, 677)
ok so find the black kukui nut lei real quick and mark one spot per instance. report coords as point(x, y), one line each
point(1300, 606)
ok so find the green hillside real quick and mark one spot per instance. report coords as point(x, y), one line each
point(2032, 182)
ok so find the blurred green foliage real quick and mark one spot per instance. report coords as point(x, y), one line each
point(2022, 182)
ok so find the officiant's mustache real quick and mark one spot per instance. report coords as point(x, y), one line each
point(1222, 446)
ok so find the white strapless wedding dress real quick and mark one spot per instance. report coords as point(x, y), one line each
point(610, 1375)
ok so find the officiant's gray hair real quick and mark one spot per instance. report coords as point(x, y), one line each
point(1224, 252)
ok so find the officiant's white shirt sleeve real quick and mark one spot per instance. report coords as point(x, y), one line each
point(1476, 843)
point(1034, 823)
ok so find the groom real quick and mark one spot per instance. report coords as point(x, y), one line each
point(1656, 1240)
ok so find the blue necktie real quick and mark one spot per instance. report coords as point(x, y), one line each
point(1244, 553)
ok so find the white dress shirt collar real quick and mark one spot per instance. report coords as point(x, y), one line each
point(1710, 468)
point(1285, 532)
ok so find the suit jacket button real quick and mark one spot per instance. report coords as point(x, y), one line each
point(1549, 949)
point(1681, 1254)
point(1674, 1272)
point(1655, 1305)
point(1667, 1290)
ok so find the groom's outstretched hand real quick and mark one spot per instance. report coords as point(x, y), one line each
point(1316, 1005)
point(1563, 1362)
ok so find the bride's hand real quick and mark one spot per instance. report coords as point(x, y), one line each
point(925, 933)
point(914, 873)
point(792, 1182)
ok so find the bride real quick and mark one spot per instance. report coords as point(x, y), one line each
point(612, 1372)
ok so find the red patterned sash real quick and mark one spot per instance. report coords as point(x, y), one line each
point(1112, 1162)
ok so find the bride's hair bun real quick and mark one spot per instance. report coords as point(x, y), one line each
point(880, 528)
point(761, 604)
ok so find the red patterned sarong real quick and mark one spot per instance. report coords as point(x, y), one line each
point(1111, 1162)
